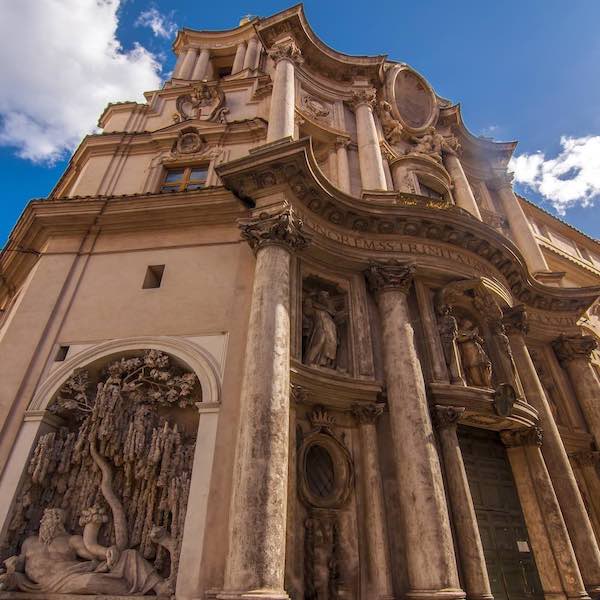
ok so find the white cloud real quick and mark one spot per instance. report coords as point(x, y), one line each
point(66, 65)
point(570, 179)
point(161, 25)
point(489, 131)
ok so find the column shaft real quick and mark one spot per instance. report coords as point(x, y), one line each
point(256, 560)
point(369, 151)
point(238, 61)
point(520, 228)
point(283, 99)
point(378, 556)
point(250, 56)
point(557, 461)
point(343, 170)
point(552, 549)
point(201, 66)
point(462, 190)
point(187, 65)
point(431, 563)
point(470, 548)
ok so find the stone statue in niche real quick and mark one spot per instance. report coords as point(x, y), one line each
point(322, 317)
point(549, 385)
point(432, 144)
point(125, 447)
point(475, 361)
point(509, 368)
point(448, 328)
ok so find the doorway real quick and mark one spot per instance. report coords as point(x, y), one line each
point(510, 562)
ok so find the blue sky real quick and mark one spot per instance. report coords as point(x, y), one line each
point(526, 70)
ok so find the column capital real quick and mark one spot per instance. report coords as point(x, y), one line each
point(342, 142)
point(367, 413)
point(447, 416)
point(398, 276)
point(286, 49)
point(568, 348)
point(515, 320)
point(501, 180)
point(281, 229)
point(363, 95)
point(586, 458)
point(531, 436)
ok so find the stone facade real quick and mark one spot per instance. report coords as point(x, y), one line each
point(286, 331)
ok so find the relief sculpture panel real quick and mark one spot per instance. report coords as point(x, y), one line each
point(102, 507)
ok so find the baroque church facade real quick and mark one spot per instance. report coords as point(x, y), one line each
point(285, 330)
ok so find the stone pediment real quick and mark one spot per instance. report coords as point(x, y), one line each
point(292, 166)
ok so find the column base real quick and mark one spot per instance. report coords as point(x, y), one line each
point(446, 594)
point(253, 595)
point(480, 597)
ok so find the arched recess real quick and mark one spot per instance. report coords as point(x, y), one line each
point(198, 359)
point(39, 421)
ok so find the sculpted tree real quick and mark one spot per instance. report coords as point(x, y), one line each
point(121, 448)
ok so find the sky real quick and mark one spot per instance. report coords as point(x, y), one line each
point(521, 70)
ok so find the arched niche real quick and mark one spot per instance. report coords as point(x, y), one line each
point(184, 427)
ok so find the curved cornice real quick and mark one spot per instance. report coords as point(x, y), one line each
point(498, 153)
point(223, 38)
point(291, 166)
point(336, 65)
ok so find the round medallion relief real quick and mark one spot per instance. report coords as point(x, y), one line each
point(189, 143)
point(413, 101)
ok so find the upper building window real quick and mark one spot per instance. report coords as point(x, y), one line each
point(430, 192)
point(185, 179)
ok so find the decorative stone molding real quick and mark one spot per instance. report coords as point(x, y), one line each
point(569, 348)
point(513, 438)
point(320, 419)
point(314, 108)
point(447, 416)
point(515, 320)
point(298, 394)
point(205, 102)
point(342, 142)
point(281, 229)
point(360, 96)
point(367, 413)
point(586, 458)
point(286, 49)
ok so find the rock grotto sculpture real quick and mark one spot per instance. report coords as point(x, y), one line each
point(120, 449)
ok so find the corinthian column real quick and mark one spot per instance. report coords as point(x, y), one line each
point(552, 549)
point(470, 548)
point(369, 151)
point(238, 61)
point(281, 113)
point(201, 66)
point(519, 225)
point(558, 464)
point(187, 64)
point(462, 190)
point(575, 353)
point(379, 564)
point(430, 559)
point(256, 560)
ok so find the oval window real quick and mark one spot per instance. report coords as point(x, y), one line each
point(320, 473)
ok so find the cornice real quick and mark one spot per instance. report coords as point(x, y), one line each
point(573, 260)
point(336, 65)
point(213, 39)
point(498, 153)
point(291, 167)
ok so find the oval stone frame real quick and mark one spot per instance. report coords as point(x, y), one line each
point(343, 471)
point(413, 101)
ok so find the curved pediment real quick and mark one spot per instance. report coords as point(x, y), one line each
point(292, 167)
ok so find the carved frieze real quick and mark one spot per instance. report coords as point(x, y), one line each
point(283, 229)
point(570, 348)
point(393, 276)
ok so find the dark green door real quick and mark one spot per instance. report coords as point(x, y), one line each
point(511, 567)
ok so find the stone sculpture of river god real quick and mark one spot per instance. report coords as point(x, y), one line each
point(413, 101)
point(102, 507)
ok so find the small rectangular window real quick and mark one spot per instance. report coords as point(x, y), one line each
point(61, 353)
point(182, 180)
point(153, 279)
point(430, 192)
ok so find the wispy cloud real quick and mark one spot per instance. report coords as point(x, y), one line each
point(489, 131)
point(71, 66)
point(162, 25)
point(572, 178)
